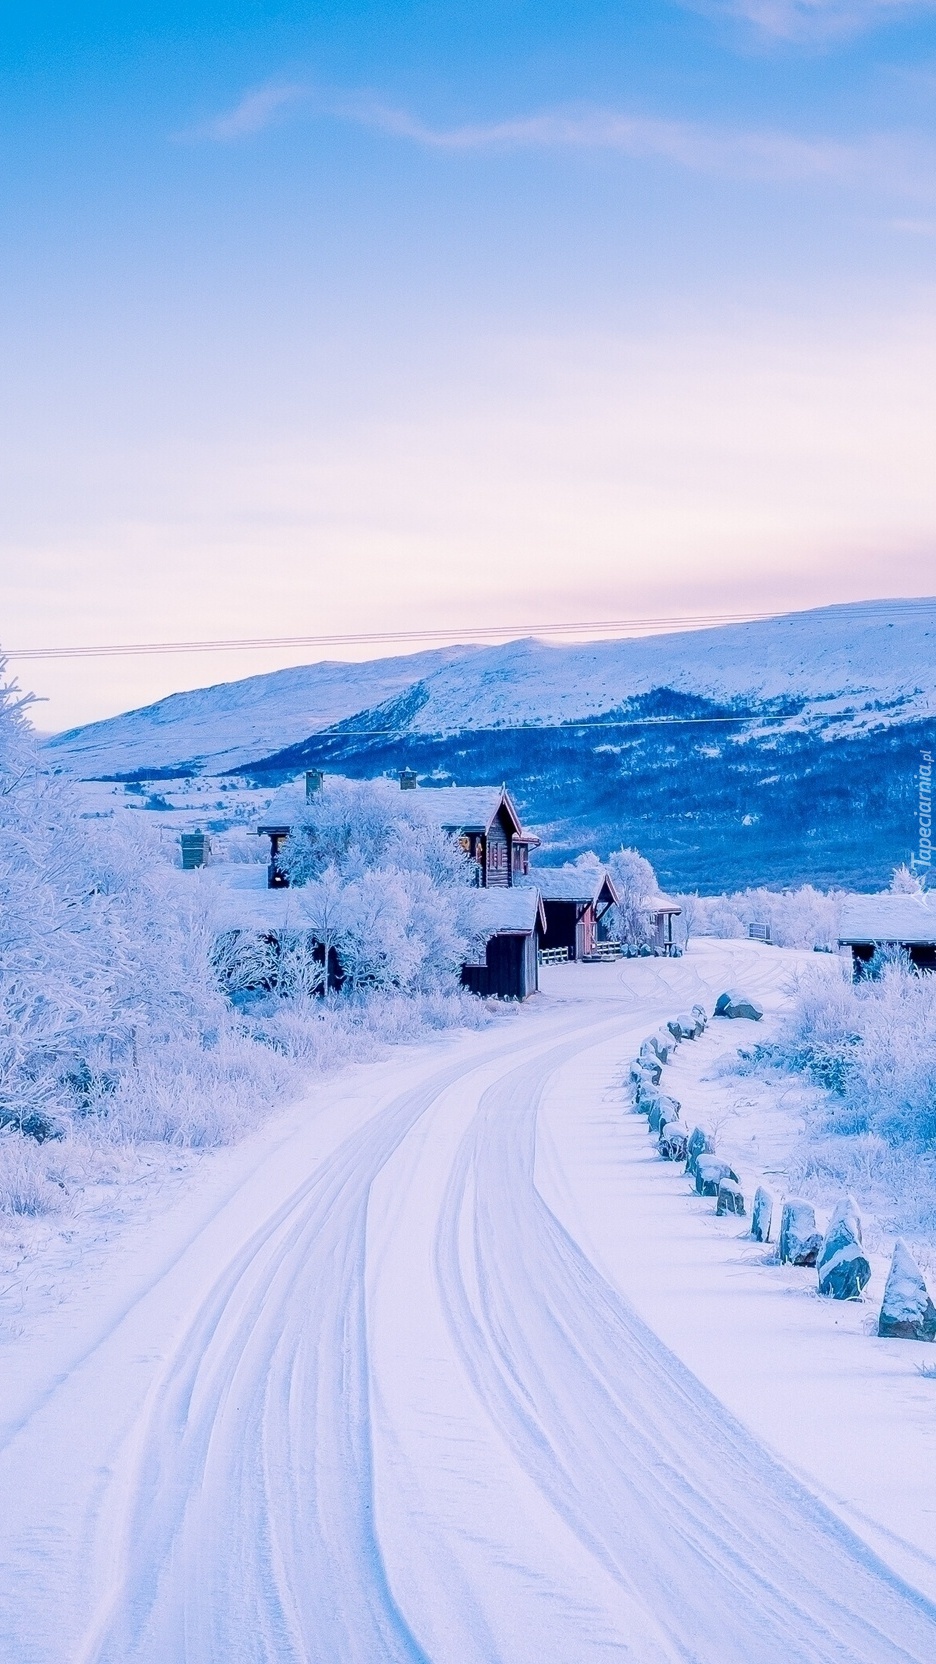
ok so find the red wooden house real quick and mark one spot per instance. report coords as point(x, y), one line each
point(575, 900)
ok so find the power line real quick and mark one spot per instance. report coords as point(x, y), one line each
point(505, 632)
point(373, 638)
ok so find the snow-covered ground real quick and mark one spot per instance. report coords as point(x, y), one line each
point(444, 1364)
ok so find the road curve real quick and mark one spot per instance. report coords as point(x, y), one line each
point(408, 1420)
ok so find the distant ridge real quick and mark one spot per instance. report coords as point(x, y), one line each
point(745, 752)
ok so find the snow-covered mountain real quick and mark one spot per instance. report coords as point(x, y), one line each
point(211, 730)
point(850, 666)
point(754, 752)
point(854, 665)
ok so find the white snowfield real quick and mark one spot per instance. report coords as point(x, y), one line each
point(376, 1390)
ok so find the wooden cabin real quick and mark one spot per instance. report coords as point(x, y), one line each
point(575, 900)
point(896, 921)
point(512, 928)
point(484, 819)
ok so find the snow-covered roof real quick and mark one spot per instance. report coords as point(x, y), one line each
point(464, 808)
point(509, 912)
point(284, 808)
point(663, 904)
point(240, 899)
point(574, 883)
point(888, 918)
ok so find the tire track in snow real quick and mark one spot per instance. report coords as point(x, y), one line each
point(736, 1559)
point(248, 1533)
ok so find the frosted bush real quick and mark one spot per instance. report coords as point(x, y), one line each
point(873, 1044)
point(25, 1186)
point(198, 1098)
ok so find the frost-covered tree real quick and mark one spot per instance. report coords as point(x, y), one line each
point(104, 961)
point(905, 882)
point(381, 885)
point(636, 884)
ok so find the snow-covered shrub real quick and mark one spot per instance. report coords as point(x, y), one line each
point(25, 1186)
point(111, 1016)
point(197, 1096)
point(905, 882)
point(873, 1043)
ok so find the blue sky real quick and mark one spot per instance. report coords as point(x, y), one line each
point(360, 317)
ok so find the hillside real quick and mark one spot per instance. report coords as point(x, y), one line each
point(211, 730)
point(764, 752)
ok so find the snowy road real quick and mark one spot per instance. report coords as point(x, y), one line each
point(368, 1399)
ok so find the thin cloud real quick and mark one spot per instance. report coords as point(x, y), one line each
point(254, 112)
point(879, 162)
point(809, 21)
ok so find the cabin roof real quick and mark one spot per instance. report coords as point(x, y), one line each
point(583, 885)
point(662, 904)
point(239, 898)
point(509, 912)
point(888, 918)
point(466, 808)
point(284, 808)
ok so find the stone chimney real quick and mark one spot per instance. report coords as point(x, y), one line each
point(407, 780)
point(314, 778)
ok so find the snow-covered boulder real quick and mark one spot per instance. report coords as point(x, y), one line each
point(799, 1241)
point(762, 1215)
point(709, 1173)
point(663, 1045)
point(663, 1109)
point(647, 1067)
point(846, 1210)
point(907, 1312)
point(730, 1198)
point(842, 1267)
point(645, 1090)
point(700, 1144)
point(733, 1004)
point(647, 1096)
point(673, 1138)
point(699, 1012)
point(685, 1027)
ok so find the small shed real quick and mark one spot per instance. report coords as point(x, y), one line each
point(662, 911)
point(575, 900)
point(511, 926)
point(904, 921)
